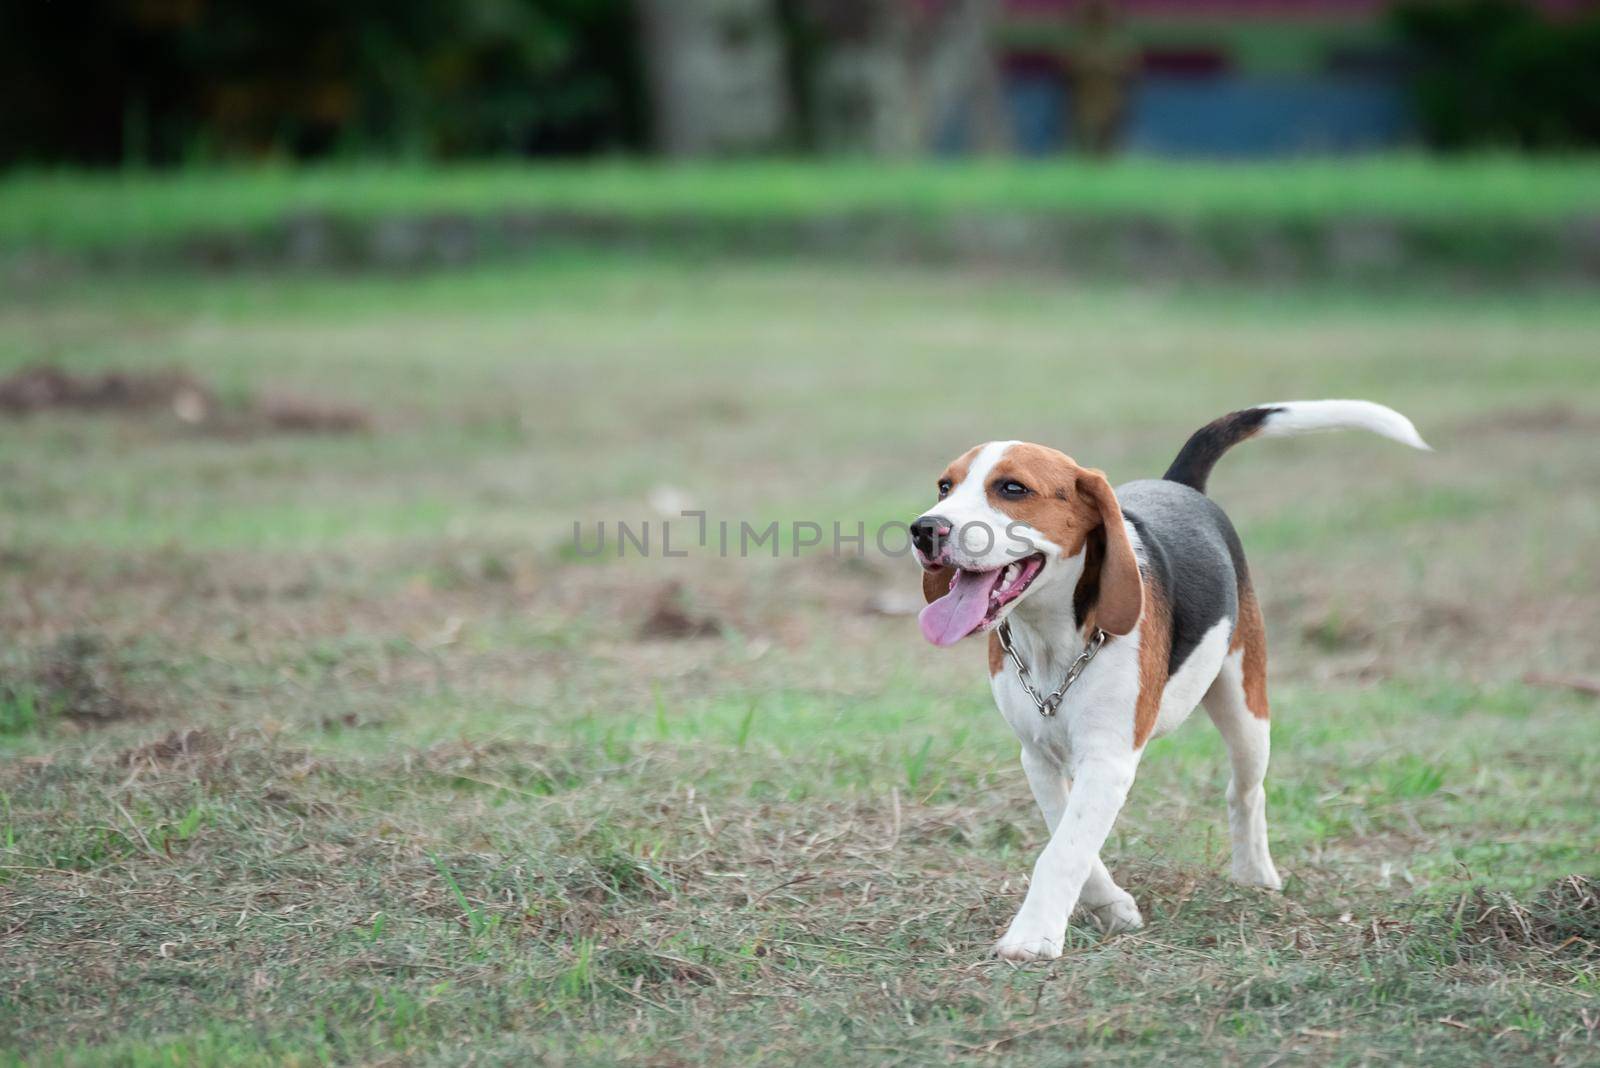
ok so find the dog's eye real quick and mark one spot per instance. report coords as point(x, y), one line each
point(944, 488)
point(1012, 488)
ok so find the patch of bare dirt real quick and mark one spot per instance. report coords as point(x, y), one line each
point(43, 387)
point(699, 409)
point(84, 679)
point(1335, 632)
point(175, 747)
point(671, 618)
point(298, 415)
point(1584, 684)
point(47, 388)
point(1538, 419)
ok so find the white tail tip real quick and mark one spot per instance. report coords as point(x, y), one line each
point(1312, 417)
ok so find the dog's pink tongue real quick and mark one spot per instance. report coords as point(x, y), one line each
point(956, 614)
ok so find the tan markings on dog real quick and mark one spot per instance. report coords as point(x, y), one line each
point(957, 471)
point(997, 655)
point(1155, 645)
point(1121, 585)
point(1066, 504)
point(1054, 507)
point(1250, 634)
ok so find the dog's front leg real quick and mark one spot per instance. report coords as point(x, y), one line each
point(1099, 786)
point(1110, 907)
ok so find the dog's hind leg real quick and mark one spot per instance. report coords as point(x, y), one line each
point(1110, 907)
point(1237, 704)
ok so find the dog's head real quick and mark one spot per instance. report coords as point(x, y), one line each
point(1019, 524)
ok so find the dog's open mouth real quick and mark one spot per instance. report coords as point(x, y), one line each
point(976, 600)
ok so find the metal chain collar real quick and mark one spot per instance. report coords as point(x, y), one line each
point(1049, 703)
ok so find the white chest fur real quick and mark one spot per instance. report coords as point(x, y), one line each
point(1103, 701)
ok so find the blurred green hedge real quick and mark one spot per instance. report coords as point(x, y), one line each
point(1501, 74)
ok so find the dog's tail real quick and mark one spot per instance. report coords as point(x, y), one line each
point(1205, 447)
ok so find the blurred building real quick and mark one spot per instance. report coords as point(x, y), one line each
point(1162, 77)
point(1213, 77)
point(1204, 77)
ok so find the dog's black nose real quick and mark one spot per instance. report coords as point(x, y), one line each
point(928, 535)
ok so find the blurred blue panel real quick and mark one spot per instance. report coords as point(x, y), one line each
point(1040, 122)
point(1245, 116)
point(1215, 116)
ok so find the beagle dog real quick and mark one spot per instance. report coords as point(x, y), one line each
point(1111, 614)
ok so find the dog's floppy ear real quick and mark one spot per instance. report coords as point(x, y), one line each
point(935, 583)
point(1121, 588)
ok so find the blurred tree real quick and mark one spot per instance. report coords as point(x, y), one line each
point(848, 67)
point(717, 75)
point(160, 81)
point(1100, 68)
point(888, 75)
point(1503, 74)
point(963, 73)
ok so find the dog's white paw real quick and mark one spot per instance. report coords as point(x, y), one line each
point(1025, 941)
point(1023, 950)
point(1118, 916)
point(1257, 873)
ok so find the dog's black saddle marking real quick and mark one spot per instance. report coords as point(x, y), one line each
point(1192, 550)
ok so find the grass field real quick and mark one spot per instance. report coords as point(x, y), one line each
point(75, 211)
point(328, 747)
